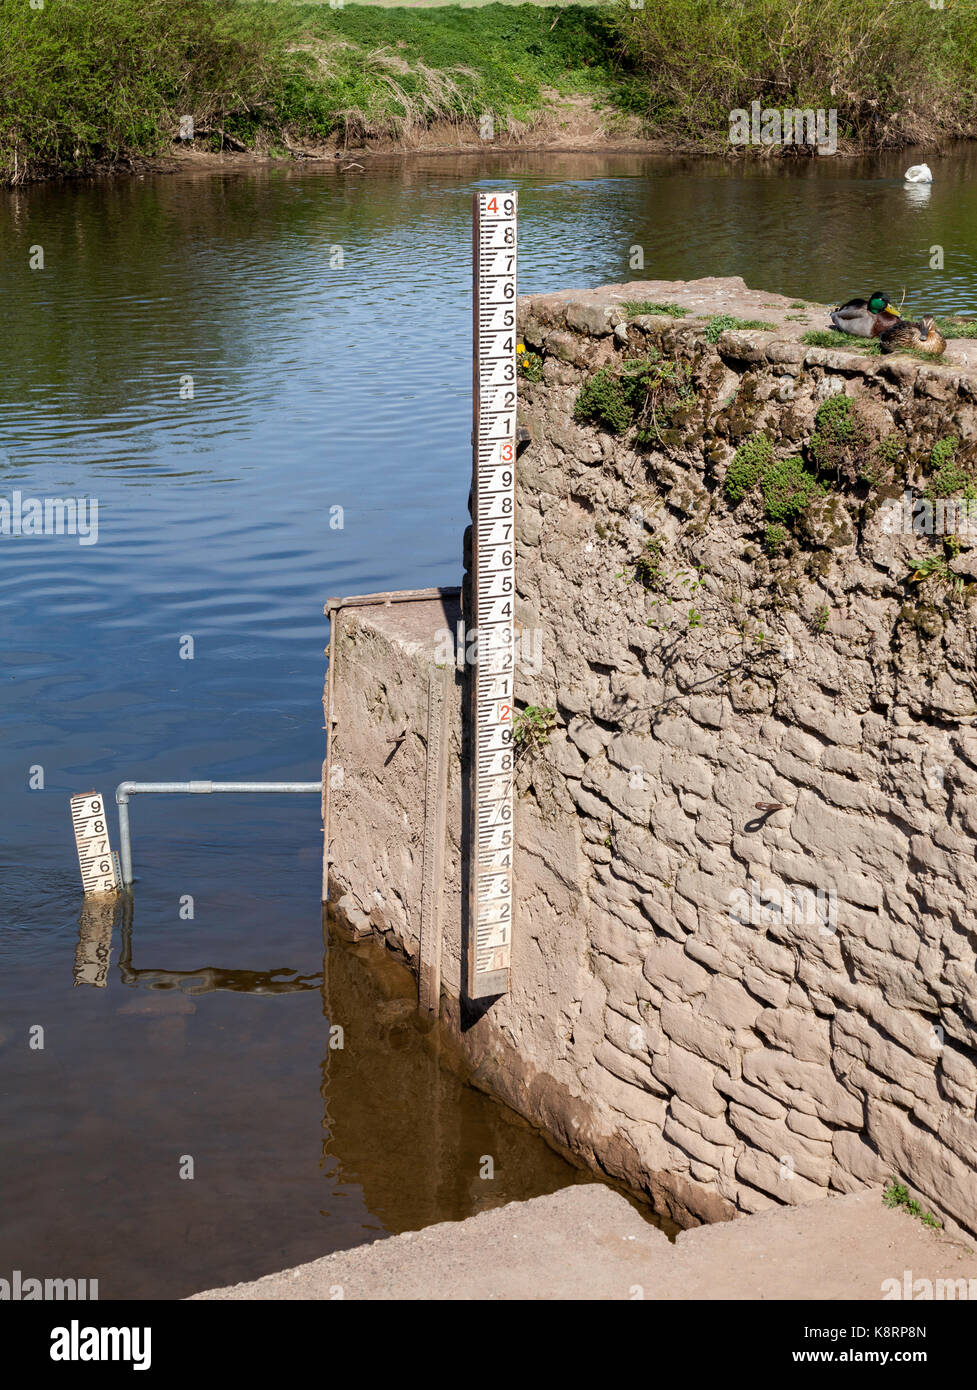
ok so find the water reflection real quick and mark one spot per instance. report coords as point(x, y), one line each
point(96, 923)
point(206, 979)
point(321, 1124)
point(463, 1153)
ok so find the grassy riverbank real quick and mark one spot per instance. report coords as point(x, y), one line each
point(88, 83)
point(896, 71)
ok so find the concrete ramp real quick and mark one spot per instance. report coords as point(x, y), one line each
point(588, 1242)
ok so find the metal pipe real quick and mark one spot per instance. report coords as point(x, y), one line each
point(126, 789)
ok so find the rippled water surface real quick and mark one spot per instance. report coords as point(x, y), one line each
point(322, 322)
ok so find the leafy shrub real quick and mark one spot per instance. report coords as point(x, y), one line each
point(895, 72)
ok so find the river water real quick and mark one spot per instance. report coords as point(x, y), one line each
point(263, 377)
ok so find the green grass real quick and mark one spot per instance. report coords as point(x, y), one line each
point(870, 347)
point(459, 4)
point(832, 338)
point(400, 68)
point(102, 82)
point(956, 328)
point(635, 307)
point(724, 323)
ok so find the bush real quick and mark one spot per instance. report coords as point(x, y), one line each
point(81, 82)
point(895, 70)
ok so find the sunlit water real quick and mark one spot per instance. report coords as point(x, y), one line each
point(325, 323)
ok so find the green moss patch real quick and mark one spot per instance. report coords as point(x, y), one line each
point(749, 461)
point(634, 307)
point(787, 488)
point(949, 475)
point(849, 342)
point(724, 323)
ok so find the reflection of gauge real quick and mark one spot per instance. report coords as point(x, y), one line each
point(209, 978)
point(94, 950)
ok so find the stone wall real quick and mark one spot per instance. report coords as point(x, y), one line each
point(726, 1005)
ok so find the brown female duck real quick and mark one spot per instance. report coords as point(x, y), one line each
point(922, 336)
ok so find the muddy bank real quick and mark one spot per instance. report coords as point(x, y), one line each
point(453, 140)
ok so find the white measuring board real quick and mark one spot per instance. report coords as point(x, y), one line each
point(99, 871)
point(493, 591)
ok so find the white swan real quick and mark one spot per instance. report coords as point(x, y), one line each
point(919, 173)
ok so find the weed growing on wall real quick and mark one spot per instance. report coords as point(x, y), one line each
point(949, 476)
point(896, 1194)
point(532, 727)
point(747, 464)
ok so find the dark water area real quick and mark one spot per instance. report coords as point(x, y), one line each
point(322, 323)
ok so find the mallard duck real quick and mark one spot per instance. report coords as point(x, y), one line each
point(923, 336)
point(865, 318)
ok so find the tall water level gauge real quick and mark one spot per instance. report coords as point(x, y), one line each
point(493, 587)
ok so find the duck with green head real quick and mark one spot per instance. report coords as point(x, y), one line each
point(865, 318)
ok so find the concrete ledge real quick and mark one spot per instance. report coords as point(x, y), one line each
point(590, 1243)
